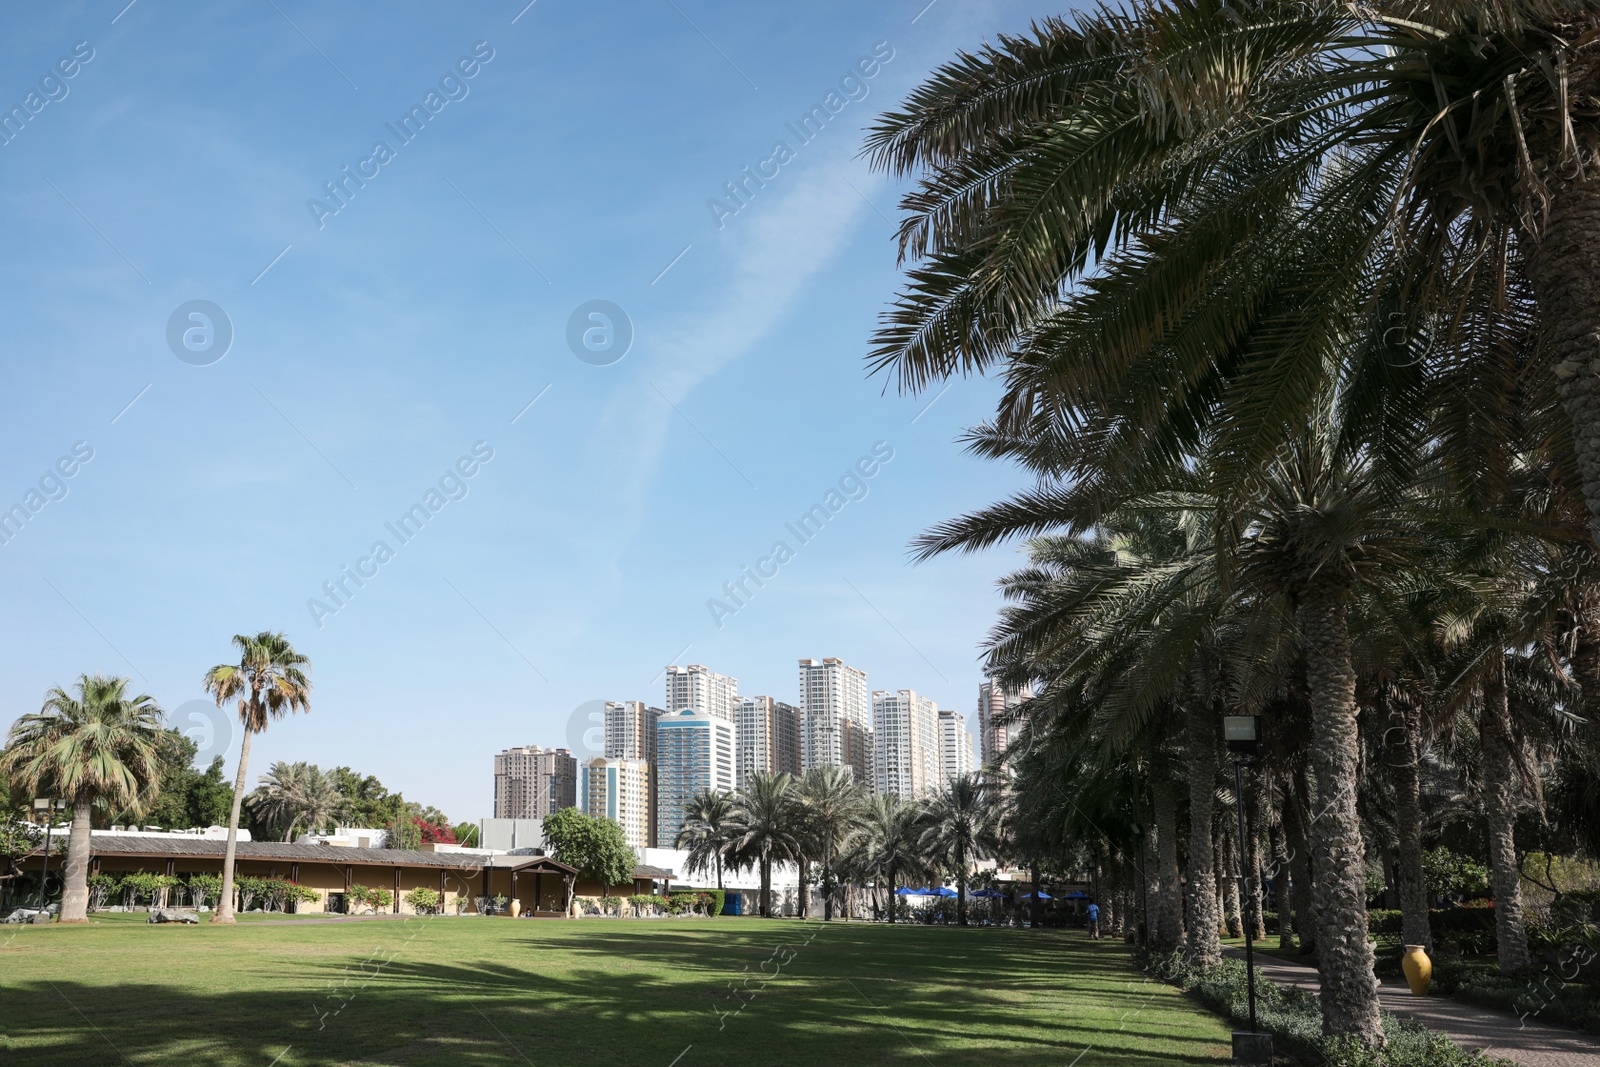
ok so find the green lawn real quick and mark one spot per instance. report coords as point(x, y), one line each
point(743, 992)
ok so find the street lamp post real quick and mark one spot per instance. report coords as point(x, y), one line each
point(1243, 735)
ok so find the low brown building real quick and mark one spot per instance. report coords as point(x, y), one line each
point(541, 884)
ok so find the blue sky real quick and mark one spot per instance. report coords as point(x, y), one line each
point(376, 345)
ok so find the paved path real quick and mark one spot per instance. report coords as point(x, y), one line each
point(1497, 1033)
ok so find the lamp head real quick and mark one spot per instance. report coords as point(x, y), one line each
point(1243, 734)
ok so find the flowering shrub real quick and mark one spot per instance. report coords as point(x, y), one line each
point(374, 900)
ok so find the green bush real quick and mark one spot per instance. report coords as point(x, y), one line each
point(1544, 995)
point(423, 901)
point(101, 886)
point(204, 888)
point(610, 905)
point(1294, 1019)
point(719, 900)
point(644, 903)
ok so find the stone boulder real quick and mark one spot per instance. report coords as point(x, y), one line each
point(172, 915)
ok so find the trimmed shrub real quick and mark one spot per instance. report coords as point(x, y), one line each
point(423, 901)
point(719, 900)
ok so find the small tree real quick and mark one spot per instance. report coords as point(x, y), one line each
point(593, 845)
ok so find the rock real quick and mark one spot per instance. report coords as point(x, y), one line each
point(172, 915)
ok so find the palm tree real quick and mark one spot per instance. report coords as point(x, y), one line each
point(269, 684)
point(763, 825)
point(960, 829)
point(292, 793)
point(707, 831)
point(832, 802)
point(1176, 155)
point(96, 749)
point(322, 802)
point(887, 844)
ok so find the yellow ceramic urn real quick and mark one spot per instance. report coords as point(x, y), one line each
point(1418, 969)
point(516, 909)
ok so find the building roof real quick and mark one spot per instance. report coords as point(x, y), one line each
point(163, 846)
point(644, 870)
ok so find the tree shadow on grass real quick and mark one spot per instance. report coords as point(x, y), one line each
point(585, 993)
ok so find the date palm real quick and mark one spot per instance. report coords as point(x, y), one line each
point(831, 800)
point(1182, 207)
point(886, 845)
point(764, 826)
point(269, 682)
point(294, 793)
point(960, 827)
point(707, 831)
point(95, 749)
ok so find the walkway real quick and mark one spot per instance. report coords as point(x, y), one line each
point(1533, 1044)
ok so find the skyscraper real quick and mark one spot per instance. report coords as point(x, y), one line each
point(905, 737)
point(955, 745)
point(694, 752)
point(702, 689)
point(619, 790)
point(531, 782)
point(630, 730)
point(767, 735)
point(835, 723)
point(994, 735)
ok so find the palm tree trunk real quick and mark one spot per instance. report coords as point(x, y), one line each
point(75, 893)
point(1283, 892)
point(1259, 814)
point(1402, 738)
point(766, 887)
point(1566, 276)
point(1344, 955)
point(1204, 945)
point(1499, 809)
point(1297, 801)
point(1586, 661)
point(827, 885)
point(1232, 899)
point(224, 912)
point(961, 892)
point(892, 897)
point(1168, 930)
point(803, 865)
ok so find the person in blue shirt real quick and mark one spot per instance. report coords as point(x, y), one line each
point(1092, 914)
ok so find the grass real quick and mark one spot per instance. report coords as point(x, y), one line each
point(473, 991)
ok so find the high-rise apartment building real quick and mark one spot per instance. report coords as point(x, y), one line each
point(994, 734)
point(767, 738)
point(531, 782)
point(835, 718)
point(703, 690)
point(619, 790)
point(694, 752)
point(955, 745)
point(905, 738)
point(630, 730)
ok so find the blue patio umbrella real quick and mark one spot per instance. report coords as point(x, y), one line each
point(1041, 895)
point(907, 891)
point(1076, 894)
point(985, 893)
point(945, 891)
